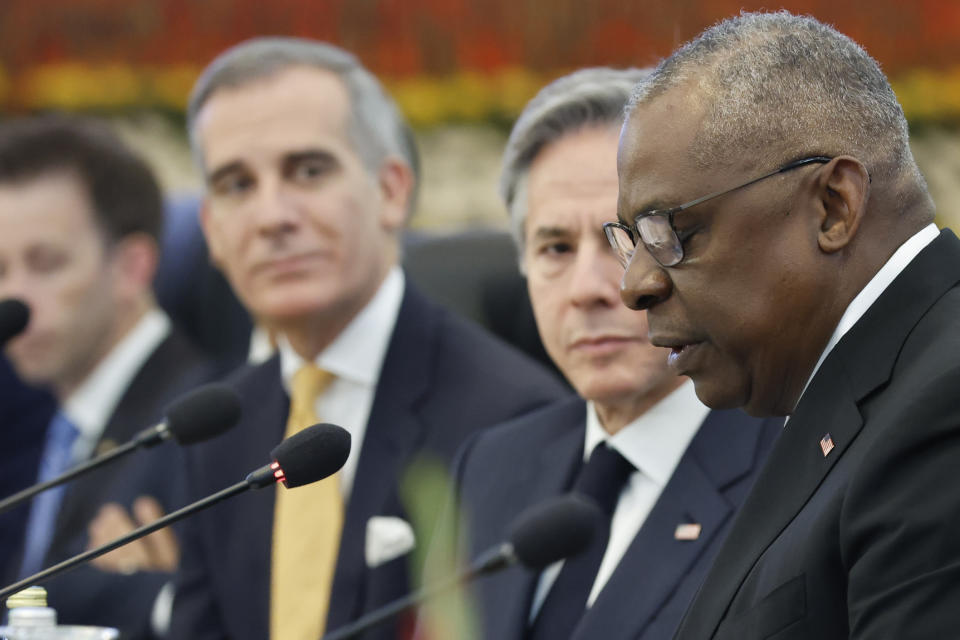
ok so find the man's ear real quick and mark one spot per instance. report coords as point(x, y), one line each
point(135, 259)
point(396, 183)
point(844, 188)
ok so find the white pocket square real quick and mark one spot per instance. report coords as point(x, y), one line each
point(388, 537)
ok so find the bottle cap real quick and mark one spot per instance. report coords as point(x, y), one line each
point(29, 597)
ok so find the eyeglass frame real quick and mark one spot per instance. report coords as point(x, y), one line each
point(633, 231)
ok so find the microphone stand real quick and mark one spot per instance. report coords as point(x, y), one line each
point(493, 560)
point(260, 478)
point(146, 438)
point(8, 503)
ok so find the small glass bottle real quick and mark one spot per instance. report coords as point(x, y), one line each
point(29, 618)
point(29, 615)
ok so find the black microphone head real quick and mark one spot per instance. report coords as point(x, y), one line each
point(203, 413)
point(312, 454)
point(553, 530)
point(14, 316)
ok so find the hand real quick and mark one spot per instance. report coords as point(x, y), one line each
point(158, 551)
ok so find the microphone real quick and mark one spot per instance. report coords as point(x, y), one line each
point(199, 415)
point(543, 534)
point(14, 316)
point(310, 455)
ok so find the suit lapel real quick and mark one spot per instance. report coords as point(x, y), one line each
point(394, 431)
point(725, 449)
point(793, 471)
point(252, 514)
point(508, 598)
point(861, 362)
point(140, 406)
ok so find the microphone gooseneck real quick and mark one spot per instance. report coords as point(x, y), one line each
point(274, 472)
point(201, 414)
point(543, 534)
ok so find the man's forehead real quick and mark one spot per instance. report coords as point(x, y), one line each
point(657, 144)
point(294, 109)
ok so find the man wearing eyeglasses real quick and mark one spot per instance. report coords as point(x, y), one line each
point(811, 283)
point(667, 472)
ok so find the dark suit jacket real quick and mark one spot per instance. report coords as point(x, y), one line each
point(25, 413)
point(89, 596)
point(442, 379)
point(863, 542)
point(507, 469)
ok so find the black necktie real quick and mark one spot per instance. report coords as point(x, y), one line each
point(601, 480)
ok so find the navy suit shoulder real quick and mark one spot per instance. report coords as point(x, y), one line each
point(442, 379)
point(849, 532)
point(477, 380)
point(506, 469)
point(25, 413)
point(87, 595)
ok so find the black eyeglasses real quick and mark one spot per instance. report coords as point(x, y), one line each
point(655, 228)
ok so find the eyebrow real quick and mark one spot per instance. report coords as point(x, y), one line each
point(309, 154)
point(226, 169)
point(546, 233)
point(292, 157)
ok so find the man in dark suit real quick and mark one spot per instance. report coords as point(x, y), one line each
point(810, 283)
point(310, 177)
point(80, 216)
point(684, 469)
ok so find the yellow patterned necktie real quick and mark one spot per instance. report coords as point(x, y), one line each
point(307, 523)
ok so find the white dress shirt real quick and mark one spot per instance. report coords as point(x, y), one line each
point(902, 257)
point(654, 444)
point(90, 406)
point(355, 357)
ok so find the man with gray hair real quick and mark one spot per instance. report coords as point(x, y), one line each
point(310, 174)
point(811, 283)
point(637, 441)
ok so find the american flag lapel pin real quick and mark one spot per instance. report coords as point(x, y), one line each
point(687, 531)
point(826, 444)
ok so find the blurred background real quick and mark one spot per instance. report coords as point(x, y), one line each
point(460, 69)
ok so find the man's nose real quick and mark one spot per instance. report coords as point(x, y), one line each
point(645, 283)
point(275, 209)
point(595, 275)
point(14, 284)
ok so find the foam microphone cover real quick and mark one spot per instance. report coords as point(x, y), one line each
point(312, 454)
point(203, 413)
point(553, 530)
point(14, 316)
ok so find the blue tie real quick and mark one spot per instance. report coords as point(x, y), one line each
point(61, 434)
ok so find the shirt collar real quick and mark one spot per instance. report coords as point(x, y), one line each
point(357, 353)
point(655, 441)
point(902, 257)
point(94, 401)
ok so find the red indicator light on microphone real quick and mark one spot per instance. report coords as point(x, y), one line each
point(278, 472)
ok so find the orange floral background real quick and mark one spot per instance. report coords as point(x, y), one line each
point(445, 60)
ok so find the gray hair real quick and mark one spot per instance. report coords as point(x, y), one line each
point(377, 128)
point(585, 98)
point(779, 87)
